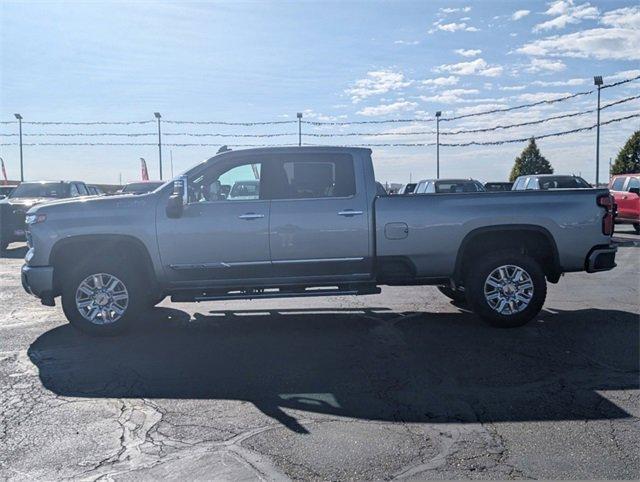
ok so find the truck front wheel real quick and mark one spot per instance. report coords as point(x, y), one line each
point(506, 289)
point(455, 295)
point(101, 299)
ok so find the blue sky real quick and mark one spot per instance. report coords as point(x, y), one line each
point(335, 61)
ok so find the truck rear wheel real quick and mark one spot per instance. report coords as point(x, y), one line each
point(101, 299)
point(506, 289)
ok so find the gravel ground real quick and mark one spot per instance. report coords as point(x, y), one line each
point(404, 384)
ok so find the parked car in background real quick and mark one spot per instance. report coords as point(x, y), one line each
point(318, 228)
point(94, 190)
point(14, 208)
point(626, 191)
point(427, 186)
point(6, 190)
point(549, 181)
point(498, 186)
point(408, 188)
point(141, 187)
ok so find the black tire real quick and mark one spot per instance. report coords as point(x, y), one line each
point(475, 288)
point(126, 274)
point(455, 295)
point(636, 226)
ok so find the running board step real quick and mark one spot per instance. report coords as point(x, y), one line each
point(265, 294)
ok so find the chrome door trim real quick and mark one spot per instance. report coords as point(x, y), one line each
point(249, 216)
point(220, 264)
point(350, 212)
point(317, 260)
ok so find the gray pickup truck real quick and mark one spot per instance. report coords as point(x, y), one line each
point(315, 225)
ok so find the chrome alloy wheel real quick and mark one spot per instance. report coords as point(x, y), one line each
point(508, 289)
point(102, 298)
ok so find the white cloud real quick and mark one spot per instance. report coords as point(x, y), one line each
point(628, 17)
point(440, 81)
point(598, 43)
point(377, 82)
point(566, 13)
point(560, 83)
point(474, 67)
point(625, 74)
point(518, 14)
point(548, 65)
point(513, 87)
point(454, 27)
point(449, 96)
point(478, 108)
point(446, 11)
point(468, 52)
point(406, 42)
point(542, 96)
point(311, 114)
point(385, 109)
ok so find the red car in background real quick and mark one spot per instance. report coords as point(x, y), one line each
point(626, 191)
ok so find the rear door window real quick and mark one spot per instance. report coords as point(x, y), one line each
point(310, 177)
point(633, 182)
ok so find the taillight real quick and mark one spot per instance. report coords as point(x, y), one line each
point(608, 203)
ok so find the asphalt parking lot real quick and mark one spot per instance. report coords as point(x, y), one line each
point(404, 384)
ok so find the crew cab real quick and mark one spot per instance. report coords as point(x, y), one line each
point(317, 228)
point(28, 194)
point(626, 192)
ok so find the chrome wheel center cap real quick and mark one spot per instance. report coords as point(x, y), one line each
point(102, 299)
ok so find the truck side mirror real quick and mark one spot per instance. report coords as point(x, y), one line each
point(635, 190)
point(176, 202)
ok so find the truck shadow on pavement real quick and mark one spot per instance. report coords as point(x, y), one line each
point(369, 363)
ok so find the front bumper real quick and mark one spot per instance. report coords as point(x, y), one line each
point(38, 281)
point(601, 258)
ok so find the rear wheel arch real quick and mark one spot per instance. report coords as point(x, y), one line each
point(534, 241)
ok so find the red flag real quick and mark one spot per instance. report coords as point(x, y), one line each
point(145, 172)
point(4, 172)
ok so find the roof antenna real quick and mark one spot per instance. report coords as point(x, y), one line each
point(223, 149)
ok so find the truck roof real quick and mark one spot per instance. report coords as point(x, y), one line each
point(294, 149)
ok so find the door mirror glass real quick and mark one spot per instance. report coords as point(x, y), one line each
point(177, 200)
point(174, 206)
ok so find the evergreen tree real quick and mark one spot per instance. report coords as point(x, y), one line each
point(530, 162)
point(628, 159)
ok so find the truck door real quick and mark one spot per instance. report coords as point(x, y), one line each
point(319, 217)
point(223, 233)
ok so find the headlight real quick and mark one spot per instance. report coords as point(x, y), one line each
point(35, 218)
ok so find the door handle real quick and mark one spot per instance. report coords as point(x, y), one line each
point(249, 216)
point(349, 212)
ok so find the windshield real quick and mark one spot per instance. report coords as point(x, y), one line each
point(562, 182)
point(40, 189)
point(141, 187)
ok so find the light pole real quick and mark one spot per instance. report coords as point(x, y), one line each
point(19, 117)
point(299, 115)
point(158, 116)
point(438, 114)
point(597, 80)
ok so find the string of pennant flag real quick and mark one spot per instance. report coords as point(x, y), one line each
point(324, 135)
